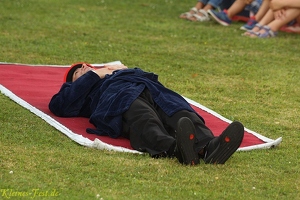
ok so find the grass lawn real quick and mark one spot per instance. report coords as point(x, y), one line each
point(255, 81)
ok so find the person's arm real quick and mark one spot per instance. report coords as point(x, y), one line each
point(280, 14)
point(109, 69)
point(281, 4)
point(116, 67)
point(69, 101)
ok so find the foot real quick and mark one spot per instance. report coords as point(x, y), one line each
point(185, 138)
point(220, 17)
point(265, 32)
point(250, 24)
point(201, 16)
point(189, 14)
point(253, 31)
point(219, 150)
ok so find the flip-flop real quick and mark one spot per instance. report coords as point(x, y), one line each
point(220, 149)
point(185, 138)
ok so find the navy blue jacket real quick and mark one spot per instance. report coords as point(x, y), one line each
point(105, 100)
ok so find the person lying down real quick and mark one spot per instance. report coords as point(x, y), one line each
point(131, 103)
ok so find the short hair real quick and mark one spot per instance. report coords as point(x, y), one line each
point(69, 73)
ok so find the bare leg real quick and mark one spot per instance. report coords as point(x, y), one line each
point(296, 27)
point(268, 17)
point(262, 10)
point(298, 19)
point(236, 8)
point(291, 14)
point(276, 24)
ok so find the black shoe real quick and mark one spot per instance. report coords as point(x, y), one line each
point(219, 149)
point(185, 138)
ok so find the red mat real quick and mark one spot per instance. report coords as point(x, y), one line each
point(33, 86)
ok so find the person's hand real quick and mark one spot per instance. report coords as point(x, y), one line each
point(277, 4)
point(109, 69)
point(248, 1)
point(279, 14)
point(116, 67)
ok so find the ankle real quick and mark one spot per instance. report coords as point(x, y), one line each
point(229, 15)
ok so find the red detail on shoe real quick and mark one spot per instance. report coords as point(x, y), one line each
point(227, 139)
point(192, 136)
point(193, 163)
point(240, 18)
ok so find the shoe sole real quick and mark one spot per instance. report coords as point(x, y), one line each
point(230, 140)
point(185, 138)
point(244, 29)
point(213, 16)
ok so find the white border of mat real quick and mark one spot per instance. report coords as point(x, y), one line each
point(269, 143)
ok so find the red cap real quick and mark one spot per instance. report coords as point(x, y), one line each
point(69, 73)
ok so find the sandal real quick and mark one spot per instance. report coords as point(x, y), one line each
point(200, 18)
point(251, 32)
point(268, 33)
point(189, 14)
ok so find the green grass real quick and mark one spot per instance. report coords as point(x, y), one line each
point(255, 81)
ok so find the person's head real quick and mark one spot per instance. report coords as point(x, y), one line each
point(77, 70)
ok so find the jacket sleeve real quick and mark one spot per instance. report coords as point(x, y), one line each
point(72, 97)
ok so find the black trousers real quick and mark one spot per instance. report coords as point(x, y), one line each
point(150, 130)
